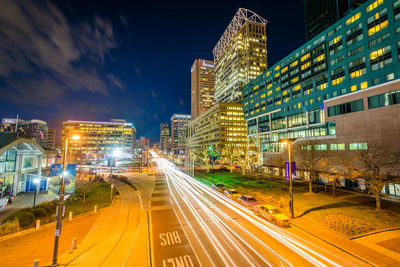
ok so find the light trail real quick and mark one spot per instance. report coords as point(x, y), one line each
point(193, 192)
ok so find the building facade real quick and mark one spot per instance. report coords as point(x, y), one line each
point(240, 55)
point(98, 139)
point(221, 125)
point(322, 14)
point(202, 86)
point(164, 137)
point(294, 98)
point(179, 130)
point(51, 138)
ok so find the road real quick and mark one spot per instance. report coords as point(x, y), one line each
point(217, 231)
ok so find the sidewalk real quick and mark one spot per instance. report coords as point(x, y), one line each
point(24, 200)
point(360, 249)
point(22, 250)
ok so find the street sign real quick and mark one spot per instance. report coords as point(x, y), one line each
point(287, 177)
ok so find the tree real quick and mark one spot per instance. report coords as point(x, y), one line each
point(202, 154)
point(230, 155)
point(309, 159)
point(378, 165)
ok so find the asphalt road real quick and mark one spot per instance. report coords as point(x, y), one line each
point(221, 232)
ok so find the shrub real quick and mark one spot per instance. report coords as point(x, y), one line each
point(9, 227)
point(39, 212)
point(25, 218)
point(50, 207)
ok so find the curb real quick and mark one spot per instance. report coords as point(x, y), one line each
point(375, 232)
point(336, 246)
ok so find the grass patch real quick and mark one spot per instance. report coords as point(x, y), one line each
point(98, 194)
point(314, 206)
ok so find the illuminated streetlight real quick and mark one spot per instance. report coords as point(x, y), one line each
point(61, 200)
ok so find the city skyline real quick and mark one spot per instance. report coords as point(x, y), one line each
point(117, 79)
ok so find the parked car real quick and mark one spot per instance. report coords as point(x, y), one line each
point(218, 187)
point(232, 193)
point(248, 201)
point(272, 214)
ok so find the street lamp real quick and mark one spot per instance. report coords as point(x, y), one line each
point(288, 143)
point(116, 153)
point(61, 201)
point(35, 181)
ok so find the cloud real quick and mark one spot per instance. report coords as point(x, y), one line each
point(153, 94)
point(116, 81)
point(43, 57)
point(138, 71)
point(181, 102)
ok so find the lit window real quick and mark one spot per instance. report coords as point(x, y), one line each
point(353, 18)
point(297, 87)
point(284, 69)
point(263, 96)
point(373, 5)
point(320, 57)
point(337, 81)
point(306, 56)
point(298, 105)
point(377, 28)
point(277, 89)
point(269, 92)
point(295, 79)
point(305, 66)
point(269, 85)
point(294, 63)
point(353, 88)
point(364, 85)
point(276, 68)
point(337, 39)
point(357, 73)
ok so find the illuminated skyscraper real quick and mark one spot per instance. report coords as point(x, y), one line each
point(164, 137)
point(202, 87)
point(179, 130)
point(240, 55)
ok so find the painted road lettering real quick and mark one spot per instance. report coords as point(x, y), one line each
point(181, 261)
point(170, 238)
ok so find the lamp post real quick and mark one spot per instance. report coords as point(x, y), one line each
point(35, 181)
point(61, 202)
point(287, 142)
point(115, 154)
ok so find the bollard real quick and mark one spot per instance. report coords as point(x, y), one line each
point(36, 263)
point(95, 209)
point(74, 241)
point(37, 224)
point(70, 216)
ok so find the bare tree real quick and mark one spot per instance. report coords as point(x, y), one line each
point(378, 165)
point(309, 159)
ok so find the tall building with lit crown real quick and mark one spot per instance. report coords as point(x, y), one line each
point(179, 130)
point(164, 137)
point(240, 55)
point(221, 125)
point(202, 86)
point(98, 139)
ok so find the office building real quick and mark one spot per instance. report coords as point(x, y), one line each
point(98, 139)
point(202, 86)
point(240, 55)
point(51, 138)
point(179, 130)
point(339, 89)
point(322, 14)
point(164, 137)
point(221, 125)
point(35, 129)
point(142, 143)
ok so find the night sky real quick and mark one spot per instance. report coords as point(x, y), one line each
point(98, 60)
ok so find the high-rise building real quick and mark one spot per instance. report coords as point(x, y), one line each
point(202, 86)
point(98, 139)
point(164, 137)
point(179, 130)
point(322, 14)
point(51, 138)
point(340, 89)
point(221, 125)
point(240, 55)
point(143, 143)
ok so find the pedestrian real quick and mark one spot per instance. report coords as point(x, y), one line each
point(9, 200)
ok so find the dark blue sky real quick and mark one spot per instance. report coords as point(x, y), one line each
point(98, 60)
